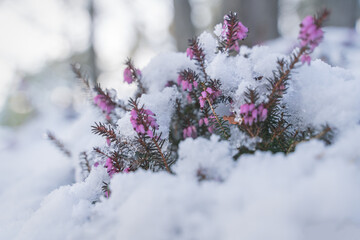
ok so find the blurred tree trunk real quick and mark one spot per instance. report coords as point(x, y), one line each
point(183, 26)
point(344, 13)
point(260, 16)
point(94, 71)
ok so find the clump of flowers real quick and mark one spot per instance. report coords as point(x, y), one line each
point(131, 74)
point(310, 35)
point(252, 114)
point(188, 80)
point(208, 94)
point(232, 32)
point(202, 109)
point(104, 103)
point(143, 121)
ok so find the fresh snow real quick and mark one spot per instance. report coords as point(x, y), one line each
point(312, 193)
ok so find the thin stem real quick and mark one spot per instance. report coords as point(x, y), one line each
point(162, 155)
point(217, 118)
point(285, 75)
point(318, 136)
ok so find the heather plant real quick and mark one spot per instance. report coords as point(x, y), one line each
point(202, 106)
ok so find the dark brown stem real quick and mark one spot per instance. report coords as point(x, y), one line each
point(162, 155)
point(284, 76)
point(318, 136)
point(217, 118)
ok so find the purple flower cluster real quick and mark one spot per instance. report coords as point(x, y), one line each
point(190, 53)
point(210, 94)
point(186, 84)
point(190, 131)
point(310, 36)
point(235, 31)
point(143, 121)
point(104, 103)
point(252, 114)
point(130, 76)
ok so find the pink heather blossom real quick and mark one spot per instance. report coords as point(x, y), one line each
point(204, 120)
point(104, 103)
point(96, 164)
point(126, 170)
point(252, 114)
point(150, 133)
point(239, 32)
point(202, 101)
point(190, 53)
point(143, 121)
point(107, 195)
point(210, 94)
point(305, 59)
point(108, 142)
point(185, 84)
point(190, 131)
point(310, 34)
point(210, 129)
point(110, 167)
point(242, 31)
point(128, 75)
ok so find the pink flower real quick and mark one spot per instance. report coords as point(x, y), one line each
point(126, 170)
point(143, 121)
point(233, 31)
point(242, 31)
point(210, 129)
point(150, 133)
point(104, 103)
point(185, 84)
point(128, 75)
point(190, 131)
point(305, 59)
point(252, 114)
point(204, 120)
point(110, 167)
point(210, 94)
point(201, 122)
point(202, 101)
point(190, 53)
point(244, 108)
point(108, 141)
point(310, 34)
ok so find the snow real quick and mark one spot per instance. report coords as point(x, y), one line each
point(323, 94)
point(312, 193)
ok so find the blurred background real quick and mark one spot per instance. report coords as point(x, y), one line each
point(41, 38)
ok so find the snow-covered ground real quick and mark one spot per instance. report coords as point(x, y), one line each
point(312, 193)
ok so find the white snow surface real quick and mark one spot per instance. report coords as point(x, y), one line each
point(312, 193)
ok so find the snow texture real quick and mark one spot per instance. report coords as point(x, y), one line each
point(312, 193)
